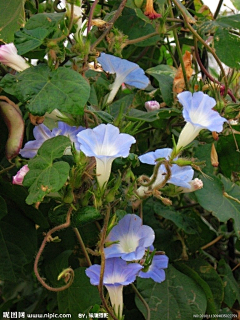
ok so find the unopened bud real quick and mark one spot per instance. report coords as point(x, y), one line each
point(152, 105)
point(214, 156)
point(166, 201)
point(215, 135)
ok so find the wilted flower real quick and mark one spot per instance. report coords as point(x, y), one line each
point(155, 270)
point(150, 12)
point(152, 105)
point(198, 113)
point(132, 239)
point(10, 57)
point(117, 274)
point(180, 176)
point(126, 72)
point(105, 143)
point(195, 184)
point(42, 133)
point(18, 178)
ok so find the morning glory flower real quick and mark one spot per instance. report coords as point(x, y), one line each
point(126, 72)
point(42, 133)
point(155, 270)
point(117, 274)
point(105, 143)
point(10, 57)
point(180, 176)
point(132, 239)
point(198, 113)
point(18, 178)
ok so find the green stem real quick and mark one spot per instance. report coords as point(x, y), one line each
point(101, 249)
point(80, 240)
point(179, 50)
point(143, 301)
point(204, 43)
point(111, 22)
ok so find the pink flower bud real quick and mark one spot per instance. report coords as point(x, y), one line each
point(152, 105)
point(10, 57)
point(18, 178)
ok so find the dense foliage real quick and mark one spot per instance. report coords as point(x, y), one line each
point(94, 98)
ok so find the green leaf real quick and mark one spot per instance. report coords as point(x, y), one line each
point(11, 18)
point(211, 281)
point(3, 208)
point(231, 287)
point(164, 75)
point(236, 4)
point(44, 90)
point(229, 158)
point(226, 42)
point(55, 266)
point(163, 113)
point(134, 27)
point(178, 297)
point(17, 195)
point(37, 28)
point(80, 296)
point(85, 215)
point(182, 221)
point(212, 198)
point(18, 244)
point(46, 176)
point(232, 21)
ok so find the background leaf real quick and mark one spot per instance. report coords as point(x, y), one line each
point(12, 17)
point(43, 90)
point(184, 296)
point(46, 176)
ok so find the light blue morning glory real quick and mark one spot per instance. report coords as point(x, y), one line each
point(42, 133)
point(117, 273)
point(199, 114)
point(132, 239)
point(126, 72)
point(180, 176)
point(155, 270)
point(105, 143)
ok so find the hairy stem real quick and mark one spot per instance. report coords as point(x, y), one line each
point(204, 43)
point(101, 249)
point(143, 301)
point(179, 50)
point(91, 15)
point(80, 240)
point(40, 251)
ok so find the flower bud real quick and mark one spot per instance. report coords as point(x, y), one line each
point(214, 156)
point(152, 105)
point(18, 178)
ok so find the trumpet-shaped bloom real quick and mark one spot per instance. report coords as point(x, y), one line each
point(10, 57)
point(150, 12)
point(180, 176)
point(105, 143)
point(132, 239)
point(198, 113)
point(126, 72)
point(18, 178)
point(117, 274)
point(155, 270)
point(42, 133)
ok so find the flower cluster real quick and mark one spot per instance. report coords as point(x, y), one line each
point(42, 133)
point(128, 256)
